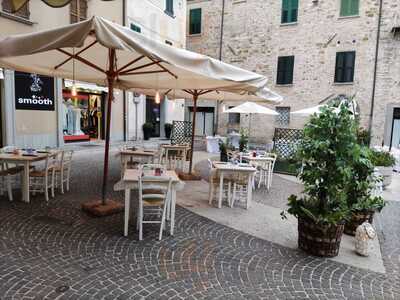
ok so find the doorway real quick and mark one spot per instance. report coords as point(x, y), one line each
point(153, 115)
point(395, 136)
point(204, 120)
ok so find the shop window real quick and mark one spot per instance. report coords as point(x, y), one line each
point(283, 119)
point(234, 118)
point(78, 10)
point(349, 8)
point(195, 21)
point(136, 28)
point(22, 13)
point(344, 70)
point(289, 11)
point(285, 70)
point(169, 7)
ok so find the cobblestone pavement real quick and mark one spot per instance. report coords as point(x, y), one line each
point(58, 252)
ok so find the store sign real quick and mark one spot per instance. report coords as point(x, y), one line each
point(34, 92)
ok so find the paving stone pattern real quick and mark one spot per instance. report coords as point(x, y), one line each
point(58, 252)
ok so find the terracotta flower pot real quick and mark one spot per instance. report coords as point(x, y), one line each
point(319, 239)
point(357, 218)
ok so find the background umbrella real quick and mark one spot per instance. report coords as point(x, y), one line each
point(112, 55)
point(251, 108)
point(16, 5)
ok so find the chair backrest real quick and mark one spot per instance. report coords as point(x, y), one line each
point(210, 164)
point(154, 183)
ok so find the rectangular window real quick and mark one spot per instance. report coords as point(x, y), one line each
point(285, 70)
point(344, 70)
point(78, 10)
point(195, 21)
point(349, 8)
point(136, 28)
point(283, 119)
point(289, 11)
point(234, 118)
point(7, 7)
point(169, 7)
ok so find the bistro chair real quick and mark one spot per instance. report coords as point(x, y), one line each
point(63, 170)
point(214, 184)
point(274, 157)
point(41, 181)
point(9, 178)
point(240, 188)
point(153, 206)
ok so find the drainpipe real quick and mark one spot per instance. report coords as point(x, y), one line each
point(378, 36)
point(124, 92)
point(221, 38)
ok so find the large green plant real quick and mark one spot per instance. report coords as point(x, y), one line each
point(382, 158)
point(362, 182)
point(328, 140)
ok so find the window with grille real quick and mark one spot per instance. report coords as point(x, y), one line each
point(285, 70)
point(78, 10)
point(349, 8)
point(169, 7)
point(195, 21)
point(23, 12)
point(136, 28)
point(289, 11)
point(234, 118)
point(344, 70)
point(283, 119)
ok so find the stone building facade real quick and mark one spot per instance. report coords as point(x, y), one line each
point(253, 37)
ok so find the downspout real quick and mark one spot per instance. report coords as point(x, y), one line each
point(124, 92)
point(378, 36)
point(221, 39)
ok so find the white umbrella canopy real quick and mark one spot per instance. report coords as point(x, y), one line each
point(102, 52)
point(251, 108)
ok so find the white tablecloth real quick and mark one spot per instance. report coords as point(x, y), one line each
point(213, 143)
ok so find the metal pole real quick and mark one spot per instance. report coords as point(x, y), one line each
point(110, 80)
point(195, 96)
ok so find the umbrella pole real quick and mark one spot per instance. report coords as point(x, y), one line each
point(195, 96)
point(111, 75)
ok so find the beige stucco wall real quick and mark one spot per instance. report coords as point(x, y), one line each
point(254, 38)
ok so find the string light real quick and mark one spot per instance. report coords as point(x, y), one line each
point(157, 98)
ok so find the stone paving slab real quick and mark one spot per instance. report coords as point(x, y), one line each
point(56, 251)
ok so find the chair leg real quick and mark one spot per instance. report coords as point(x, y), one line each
point(162, 225)
point(233, 195)
point(211, 193)
point(140, 222)
point(68, 177)
point(9, 189)
point(46, 189)
point(62, 180)
point(52, 183)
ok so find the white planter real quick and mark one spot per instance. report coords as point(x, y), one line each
point(387, 173)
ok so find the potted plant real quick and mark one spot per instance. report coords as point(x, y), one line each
point(322, 209)
point(243, 140)
point(223, 149)
point(147, 130)
point(384, 162)
point(360, 197)
point(168, 130)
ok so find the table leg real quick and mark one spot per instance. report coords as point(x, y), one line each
point(127, 206)
point(173, 204)
point(249, 191)
point(221, 189)
point(25, 183)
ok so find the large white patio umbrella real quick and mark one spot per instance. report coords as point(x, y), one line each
point(117, 57)
point(251, 108)
point(309, 111)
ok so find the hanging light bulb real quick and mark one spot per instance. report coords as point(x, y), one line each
point(157, 98)
point(74, 92)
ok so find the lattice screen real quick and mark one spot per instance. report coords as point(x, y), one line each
point(181, 132)
point(284, 116)
point(286, 141)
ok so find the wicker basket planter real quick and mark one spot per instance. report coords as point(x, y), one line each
point(357, 218)
point(318, 239)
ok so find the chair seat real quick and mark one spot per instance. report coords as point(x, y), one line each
point(153, 202)
point(37, 173)
point(152, 191)
point(13, 170)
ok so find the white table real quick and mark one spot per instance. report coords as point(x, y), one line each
point(226, 168)
point(26, 161)
point(130, 181)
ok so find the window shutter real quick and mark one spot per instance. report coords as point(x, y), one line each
point(354, 7)
point(289, 69)
point(349, 8)
point(195, 21)
point(293, 10)
point(285, 11)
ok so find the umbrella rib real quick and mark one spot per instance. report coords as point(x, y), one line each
point(79, 52)
point(162, 67)
point(143, 72)
point(167, 92)
point(205, 92)
point(139, 67)
point(130, 63)
point(86, 62)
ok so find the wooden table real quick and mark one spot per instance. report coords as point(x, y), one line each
point(130, 182)
point(178, 148)
point(223, 168)
point(263, 160)
point(26, 161)
point(128, 154)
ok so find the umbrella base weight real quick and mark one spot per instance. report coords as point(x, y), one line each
point(96, 208)
point(187, 177)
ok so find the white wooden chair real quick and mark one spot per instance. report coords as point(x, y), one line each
point(214, 184)
point(41, 181)
point(63, 170)
point(9, 178)
point(274, 156)
point(153, 204)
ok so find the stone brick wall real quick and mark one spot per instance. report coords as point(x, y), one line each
point(254, 38)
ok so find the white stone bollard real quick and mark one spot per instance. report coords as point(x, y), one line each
point(364, 234)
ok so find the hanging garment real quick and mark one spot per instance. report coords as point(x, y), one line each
point(70, 120)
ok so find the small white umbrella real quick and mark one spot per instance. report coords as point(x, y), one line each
point(251, 108)
point(308, 111)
